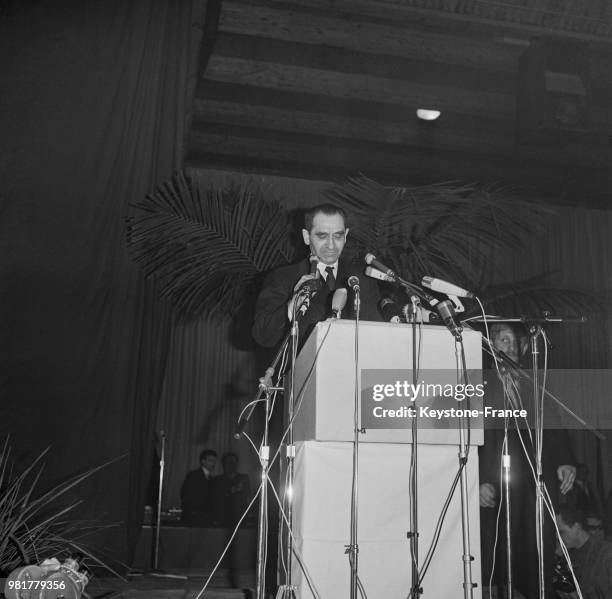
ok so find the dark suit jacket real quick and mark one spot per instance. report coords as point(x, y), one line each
point(556, 448)
point(197, 498)
point(271, 321)
point(231, 498)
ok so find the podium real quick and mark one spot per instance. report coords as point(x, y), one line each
point(323, 435)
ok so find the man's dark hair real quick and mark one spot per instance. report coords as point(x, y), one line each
point(229, 454)
point(327, 209)
point(571, 514)
point(207, 452)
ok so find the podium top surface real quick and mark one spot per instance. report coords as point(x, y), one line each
point(329, 373)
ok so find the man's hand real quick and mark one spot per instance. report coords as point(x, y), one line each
point(566, 474)
point(488, 495)
point(303, 279)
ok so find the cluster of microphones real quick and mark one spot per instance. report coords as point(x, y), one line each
point(422, 307)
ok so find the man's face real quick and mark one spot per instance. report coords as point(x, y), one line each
point(595, 527)
point(209, 462)
point(569, 534)
point(230, 465)
point(327, 237)
point(504, 339)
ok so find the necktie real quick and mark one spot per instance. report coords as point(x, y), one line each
point(330, 280)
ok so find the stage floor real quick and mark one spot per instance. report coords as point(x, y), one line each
point(154, 587)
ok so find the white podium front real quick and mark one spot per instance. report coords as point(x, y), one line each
point(323, 469)
point(322, 512)
point(325, 377)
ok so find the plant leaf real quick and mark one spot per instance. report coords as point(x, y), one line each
point(205, 247)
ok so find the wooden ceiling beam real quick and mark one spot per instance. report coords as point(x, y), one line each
point(524, 20)
point(382, 112)
point(310, 25)
point(363, 87)
point(594, 194)
point(351, 62)
point(361, 156)
point(451, 133)
point(303, 163)
point(346, 107)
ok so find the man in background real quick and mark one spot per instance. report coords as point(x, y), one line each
point(197, 492)
point(591, 556)
point(232, 492)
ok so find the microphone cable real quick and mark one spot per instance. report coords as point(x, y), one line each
point(444, 511)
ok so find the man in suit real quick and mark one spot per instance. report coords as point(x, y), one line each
point(232, 492)
point(325, 233)
point(591, 556)
point(197, 492)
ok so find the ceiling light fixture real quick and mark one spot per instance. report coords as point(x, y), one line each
point(427, 115)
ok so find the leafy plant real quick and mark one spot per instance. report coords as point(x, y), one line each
point(205, 247)
point(445, 229)
point(455, 232)
point(32, 527)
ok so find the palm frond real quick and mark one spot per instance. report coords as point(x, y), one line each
point(447, 229)
point(535, 295)
point(205, 246)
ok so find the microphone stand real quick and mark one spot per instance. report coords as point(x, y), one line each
point(506, 462)
point(468, 585)
point(445, 310)
point(265, 385)
point(288, 590)
point(413, 534)
point(352, 550)
point(535, 331)
point(500, 356)
point(162, 465)
point(265, 388)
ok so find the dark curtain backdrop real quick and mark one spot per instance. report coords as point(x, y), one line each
point(92, 112)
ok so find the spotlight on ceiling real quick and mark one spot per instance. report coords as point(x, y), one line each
point(427, 115)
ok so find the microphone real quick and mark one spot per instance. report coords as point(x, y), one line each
point(314, 262)
point(353, 283)
point(377, 274)
point(446, 312)
point(390, 310)
point(309, 288)
point(445, 287)
point(339, 301)
point(312, 285)
point(411, 310)
point(372, 261)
